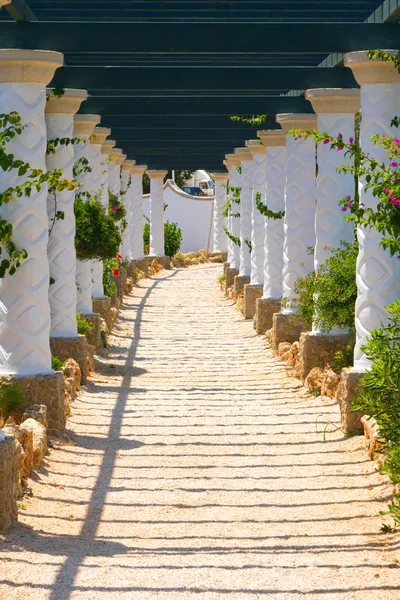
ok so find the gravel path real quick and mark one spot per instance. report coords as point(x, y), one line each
point(197, 473)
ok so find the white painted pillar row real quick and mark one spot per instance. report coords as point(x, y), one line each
point(275, 142)
point(60, 112)
point(299, 224)
point(378, 274)
point(232, 163)
point(99, 181)
point(114, 171)
point(83, 129)
point(220, 222)
point(24, 306)
point(156, 212)
point(336, 109)
point(246, 180)
point(136, 218)
point(126, 182)
point(257, 151)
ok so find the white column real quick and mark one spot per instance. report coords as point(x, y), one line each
point(299, 224)
point(275, 142)
point(60, 112)
point(336, 109)
point(220, 222)
point(257, 219)
point(114, 171)
point(126, 183)
point(24, 306)
point(378, 274)
point(99, 182)
point(83, 129)
point(156, 212)
point(246, 183)
point(136, 219)
point(233, 220)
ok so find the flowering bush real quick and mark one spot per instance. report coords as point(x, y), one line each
point(97, 236)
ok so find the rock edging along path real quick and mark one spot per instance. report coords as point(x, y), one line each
point(197, 472)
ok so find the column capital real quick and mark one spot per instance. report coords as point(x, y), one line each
point(120, 159)
point(128, 164)
point(334, 100)
point(371, 70)
point(242, 154)
point(29, 66)
point(255, 147)
point(232, 158)
point(219, 176)
point(138, 169)
point(108, 146)
point(297, 121)
point(99, 135)
point(85, 124)
point(272, 137)
point(67, 104)
point(156, 174)
point(228, 163)
point(115, 154)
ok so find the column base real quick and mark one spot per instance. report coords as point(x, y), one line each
point(346, 394)
point(318, 350)
point(265, 310)
point(226, 266)
point(164, 261)
point(71, 347)
point(284, 329)
point(252, 293)
point(9, 482)
point(120, 283)
point(45, 389)
point(102, 306)
point(142, 264)
point(94, 335)
point(239, 283)
point(231, 273)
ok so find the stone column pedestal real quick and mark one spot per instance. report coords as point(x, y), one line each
point(231, 274)
point(71, 347)
point(265, 310)
point(252, 293)
point(284, 329)
point(164, 261)
point(142, 264)
point(346, 394)
point(318, 350)
point(94, 335)
point(102, 306)
point(9, 478)
point(43, 389)
point(239, 283)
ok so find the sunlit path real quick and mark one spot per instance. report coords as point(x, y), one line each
point(197, 472)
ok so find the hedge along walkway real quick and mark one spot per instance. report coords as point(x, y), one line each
point(197, 473)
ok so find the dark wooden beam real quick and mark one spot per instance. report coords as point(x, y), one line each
point(209, 38)
point(203, 79)
point(20, 10)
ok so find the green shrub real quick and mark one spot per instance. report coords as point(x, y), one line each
point(83, 325)
point(172, 238)
point(328, 298)
point(109, 284)
point(380, 394)
point(222, 278)
point(343, 359)
point(97, 236)
point(12, 400)
point(56, 363)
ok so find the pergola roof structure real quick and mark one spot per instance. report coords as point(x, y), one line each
point(167, 75)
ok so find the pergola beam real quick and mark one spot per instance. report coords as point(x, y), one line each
point(200, 38)
point(19, 10)
point(203, 79)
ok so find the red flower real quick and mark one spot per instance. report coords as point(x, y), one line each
point(148, 247)
point(119, 262)
point(118, 255)
point(116, 272)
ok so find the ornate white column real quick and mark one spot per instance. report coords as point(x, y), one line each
point(246, 180)
point(258, 153)
point(275, 142)
point(99, 181)
point(60, 112)
point(233, 166)
point(220, 222)
point(299, 223)
point(136, 220)
point(126, 182)
point(378, 274)
point(114, 171)
point(156, 212)
point(24, 306)
point(83, 129)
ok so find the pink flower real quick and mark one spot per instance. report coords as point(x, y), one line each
point(340, 136)
point(351, 140)
point(325, 142)
point(397, 142)
point(346, 207)
point(394, 164)
point(395, 201)
point(339, 149)
point(114, 209)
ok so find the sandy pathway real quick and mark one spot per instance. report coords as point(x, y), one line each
point(197, 472)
